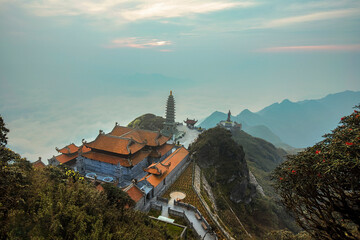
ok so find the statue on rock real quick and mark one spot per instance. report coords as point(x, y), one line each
point(229, 117)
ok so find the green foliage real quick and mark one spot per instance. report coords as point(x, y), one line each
point(3, 133)
point(15, 175)
point(148, 122)
point(117, 197)
point(321, 185)
point(287, 235)
point(263, 154)
point(58, 207)
point(216, 148)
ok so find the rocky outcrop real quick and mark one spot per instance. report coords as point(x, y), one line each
point(224, 164)
point(254, 182)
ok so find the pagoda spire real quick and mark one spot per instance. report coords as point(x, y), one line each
point(169, 125)
point(170, 109)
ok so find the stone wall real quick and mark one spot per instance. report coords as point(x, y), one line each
point(155, 206)
point(99, 167)
point(138, 168)
point(124, 173)
point(175, 212)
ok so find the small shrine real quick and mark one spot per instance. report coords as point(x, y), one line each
point(190, 123)
point(229, 124)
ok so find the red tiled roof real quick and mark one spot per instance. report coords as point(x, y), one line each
point(64, 158)
point(157, 168)
point(165, 148)
point(152, 171)
point(161, 151)
point(139, 156)
point(173, 160)
point(69, 149)
point(38, 164)
point(119, 130)
point(115, 144)
point(84, 149)
point(150, 138)
point(135, 193)
point(190, 121)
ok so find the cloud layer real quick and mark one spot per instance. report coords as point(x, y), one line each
point(126, 10)
point(315, 16)
point(135, 42)
point(324, 48)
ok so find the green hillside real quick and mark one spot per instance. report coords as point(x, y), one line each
point(148, 122)
point(223, 161)
point(212, 151)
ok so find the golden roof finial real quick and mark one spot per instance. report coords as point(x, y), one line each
point(170, 92)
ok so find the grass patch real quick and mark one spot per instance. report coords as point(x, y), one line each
point(205, 196)
point(172, 231)
point(154, 213)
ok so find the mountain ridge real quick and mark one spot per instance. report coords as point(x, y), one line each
point(298, 124)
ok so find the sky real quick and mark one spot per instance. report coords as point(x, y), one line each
point(70, 68)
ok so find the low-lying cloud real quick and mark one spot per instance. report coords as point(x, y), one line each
point(129, 11)
point(135, 42)
point(313, 48)
point(315, 16)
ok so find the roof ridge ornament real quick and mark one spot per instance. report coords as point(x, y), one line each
point(157, 137)
point(167, 166)
point(131, 141)
point(129, 161)
point(83, 141)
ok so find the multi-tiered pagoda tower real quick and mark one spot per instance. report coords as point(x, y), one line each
point(170, 125)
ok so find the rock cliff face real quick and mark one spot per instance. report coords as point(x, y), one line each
point(223, 162)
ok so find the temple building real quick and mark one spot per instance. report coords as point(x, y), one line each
point(165, 173)
point(228, 124)
point(68, 155)
point(190, 123)
point(121, 155)
point(38, 164)
point(141, 162)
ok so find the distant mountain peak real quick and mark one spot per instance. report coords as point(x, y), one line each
point(300, 123)
point(245, 112)
point(286, 101)
point(216, 112)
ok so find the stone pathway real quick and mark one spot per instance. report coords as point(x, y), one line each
point(197, 179)
point(191, 216)
point(190, 135)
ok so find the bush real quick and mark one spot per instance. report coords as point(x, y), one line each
point(320, 185)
